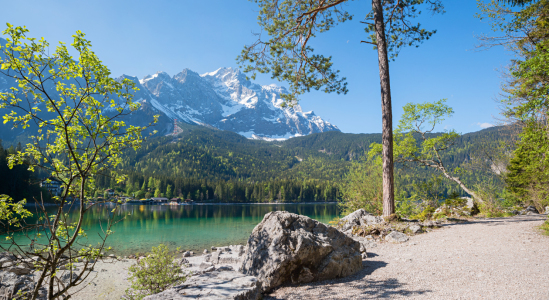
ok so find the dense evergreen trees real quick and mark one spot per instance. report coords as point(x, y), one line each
point(18, 182)
point(204, 164)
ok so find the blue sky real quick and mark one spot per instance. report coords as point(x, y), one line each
point(142, 37)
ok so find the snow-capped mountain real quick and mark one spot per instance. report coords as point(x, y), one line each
point(223, 99)
point(226, 100)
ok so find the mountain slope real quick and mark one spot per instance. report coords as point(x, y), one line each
point(200, 152)
point(225, 100)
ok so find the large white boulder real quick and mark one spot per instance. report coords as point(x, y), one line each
point(215, 285)
point(287, 247)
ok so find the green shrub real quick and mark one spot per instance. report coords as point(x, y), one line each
point(545, 227)
point(455, 202)
point(154, 274)
point(426, 214)
point(406, 206)
point(363, 188)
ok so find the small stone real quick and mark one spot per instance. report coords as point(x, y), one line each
point(415, 228)
point(186, 254)
point(192, 253)
point(531, 210)
point(225, 268)
point(214, 248)
point(206, 251)
point(396, 237)
point(205, 265)
point(209, 269)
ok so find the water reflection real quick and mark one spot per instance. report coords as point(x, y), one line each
point(191, 227)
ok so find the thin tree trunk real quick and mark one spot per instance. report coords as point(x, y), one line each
point(386, 109)
point(463, 187)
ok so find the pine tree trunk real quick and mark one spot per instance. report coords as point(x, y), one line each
point(387, 115)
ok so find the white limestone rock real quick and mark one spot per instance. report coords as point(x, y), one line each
point(216, 285)
point(287, 247)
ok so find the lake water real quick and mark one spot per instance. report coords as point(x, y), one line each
point(191, 227)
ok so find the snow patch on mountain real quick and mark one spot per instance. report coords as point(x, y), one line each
point(225, 99)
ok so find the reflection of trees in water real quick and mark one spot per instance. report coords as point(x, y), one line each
point(138, 215)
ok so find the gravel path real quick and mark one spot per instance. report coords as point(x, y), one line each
point(504, 258)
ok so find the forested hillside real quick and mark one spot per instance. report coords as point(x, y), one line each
point(203, 163)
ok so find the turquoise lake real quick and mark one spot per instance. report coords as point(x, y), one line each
point(191, 227)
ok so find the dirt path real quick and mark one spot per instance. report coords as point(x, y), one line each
point(503, 258)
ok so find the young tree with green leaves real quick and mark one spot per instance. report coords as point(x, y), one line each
point(287, 55)
point(363, 188)
point(416, 144)
point(154, 274)
point(62, 99)
point(526, 33)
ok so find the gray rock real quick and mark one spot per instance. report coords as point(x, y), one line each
point(186, 254)
point(206, 251)
point(225, 258)
point(365, 243)
point(207, 257)
point(205, 265)
point(283, 244)
point(18, 267)
point(531, 209)
point(12, 284)
point(396, 237)
point(358, 218)
point(225, 268)
point(214, 248)
point(238, 250)
point(471, 206)
point(183, 261)
point(430, 223)
point(547, 210)
point(216, 285)
point(415, 228)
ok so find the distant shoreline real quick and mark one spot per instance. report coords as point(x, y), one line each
point(196, 203)
point(254, 203)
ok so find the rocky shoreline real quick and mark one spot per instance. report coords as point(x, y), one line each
point(284, 249)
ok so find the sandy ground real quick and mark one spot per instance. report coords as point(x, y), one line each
point(503, 258)
point(108, 280)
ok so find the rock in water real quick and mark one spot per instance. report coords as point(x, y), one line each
point(286, 247)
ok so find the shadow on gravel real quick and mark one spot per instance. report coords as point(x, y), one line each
point(500, 221)
point(358, 286)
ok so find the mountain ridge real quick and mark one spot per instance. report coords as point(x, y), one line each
point(226, 100)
